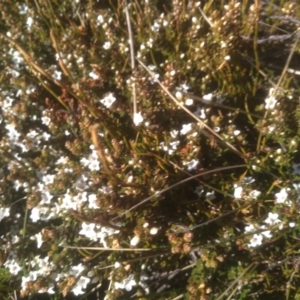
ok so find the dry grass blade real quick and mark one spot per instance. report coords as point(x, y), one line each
point(250, 268)
point(284, 71)
point(131, 57)
point(109, 249)
point(177, 184)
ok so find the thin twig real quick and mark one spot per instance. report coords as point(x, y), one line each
point(131, 57)
point(250, 268)
point(110, 249)
point(177, 184)
point(284, 71)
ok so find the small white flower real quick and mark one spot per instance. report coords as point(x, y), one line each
point(153, 230)
point(267, 234)
point(100, 19)
point(138, 119)
point(272, 219)
point(189, 102)
point(77, 270)
point(135, 240)
point(29, 22)
point(107, 45)
point(155, 27)
point(208, 97)
point(126, 284)
point(46, 120)
point(270, 100)
point(192, 165)
point(108, 100)
point(88, 230)
point(93, 75)
point(210, 195)
point(174, 133)
point(256, 240)
point(179, 95)
point(254, 194)
point(281, 197)
point(250, 228)
point(186, 128)
point(13, 266)
point(4, 212)
point(199, 190)
point(238, 192)
point(39, 239)
point(57, 75)
point(81, 285)
point(200, 113)
point(292, 224)
point(93, 201)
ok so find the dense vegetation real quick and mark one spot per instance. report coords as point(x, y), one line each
point(149, 149)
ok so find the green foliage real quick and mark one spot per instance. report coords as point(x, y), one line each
point(159, 140)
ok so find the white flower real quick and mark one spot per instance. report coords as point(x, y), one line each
point(35, 214)
point(281, 197)
point(80, 197)
point(93, 75)
point(238, 192)
point(108, 100)
point(4, 212)
point(254, 194)
point(88, 230)
point(77, 270)
point(174, 134)
point(272, 219)
point(94, 165)
point(135, 240)
point(199, 190)
point(208, 97)
point(81, 285)
point(29, 22)
point(210, 195)
point(13, 266)
point(48, 179)
point(100, 19)
point(250, 228)
point(93, 201)
point(46, 120)
point(256, 240)
point(107, 45)
point(137, 119)
point(191, 165)
point(105, 231)
point(200, 113)
point(127, 283)
point(179, 95)
point(189, 102)
point(266, 233)
point(153, 230)
point(56, 75)
point(186, 128)
point(39, 239)
point(270, 100)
